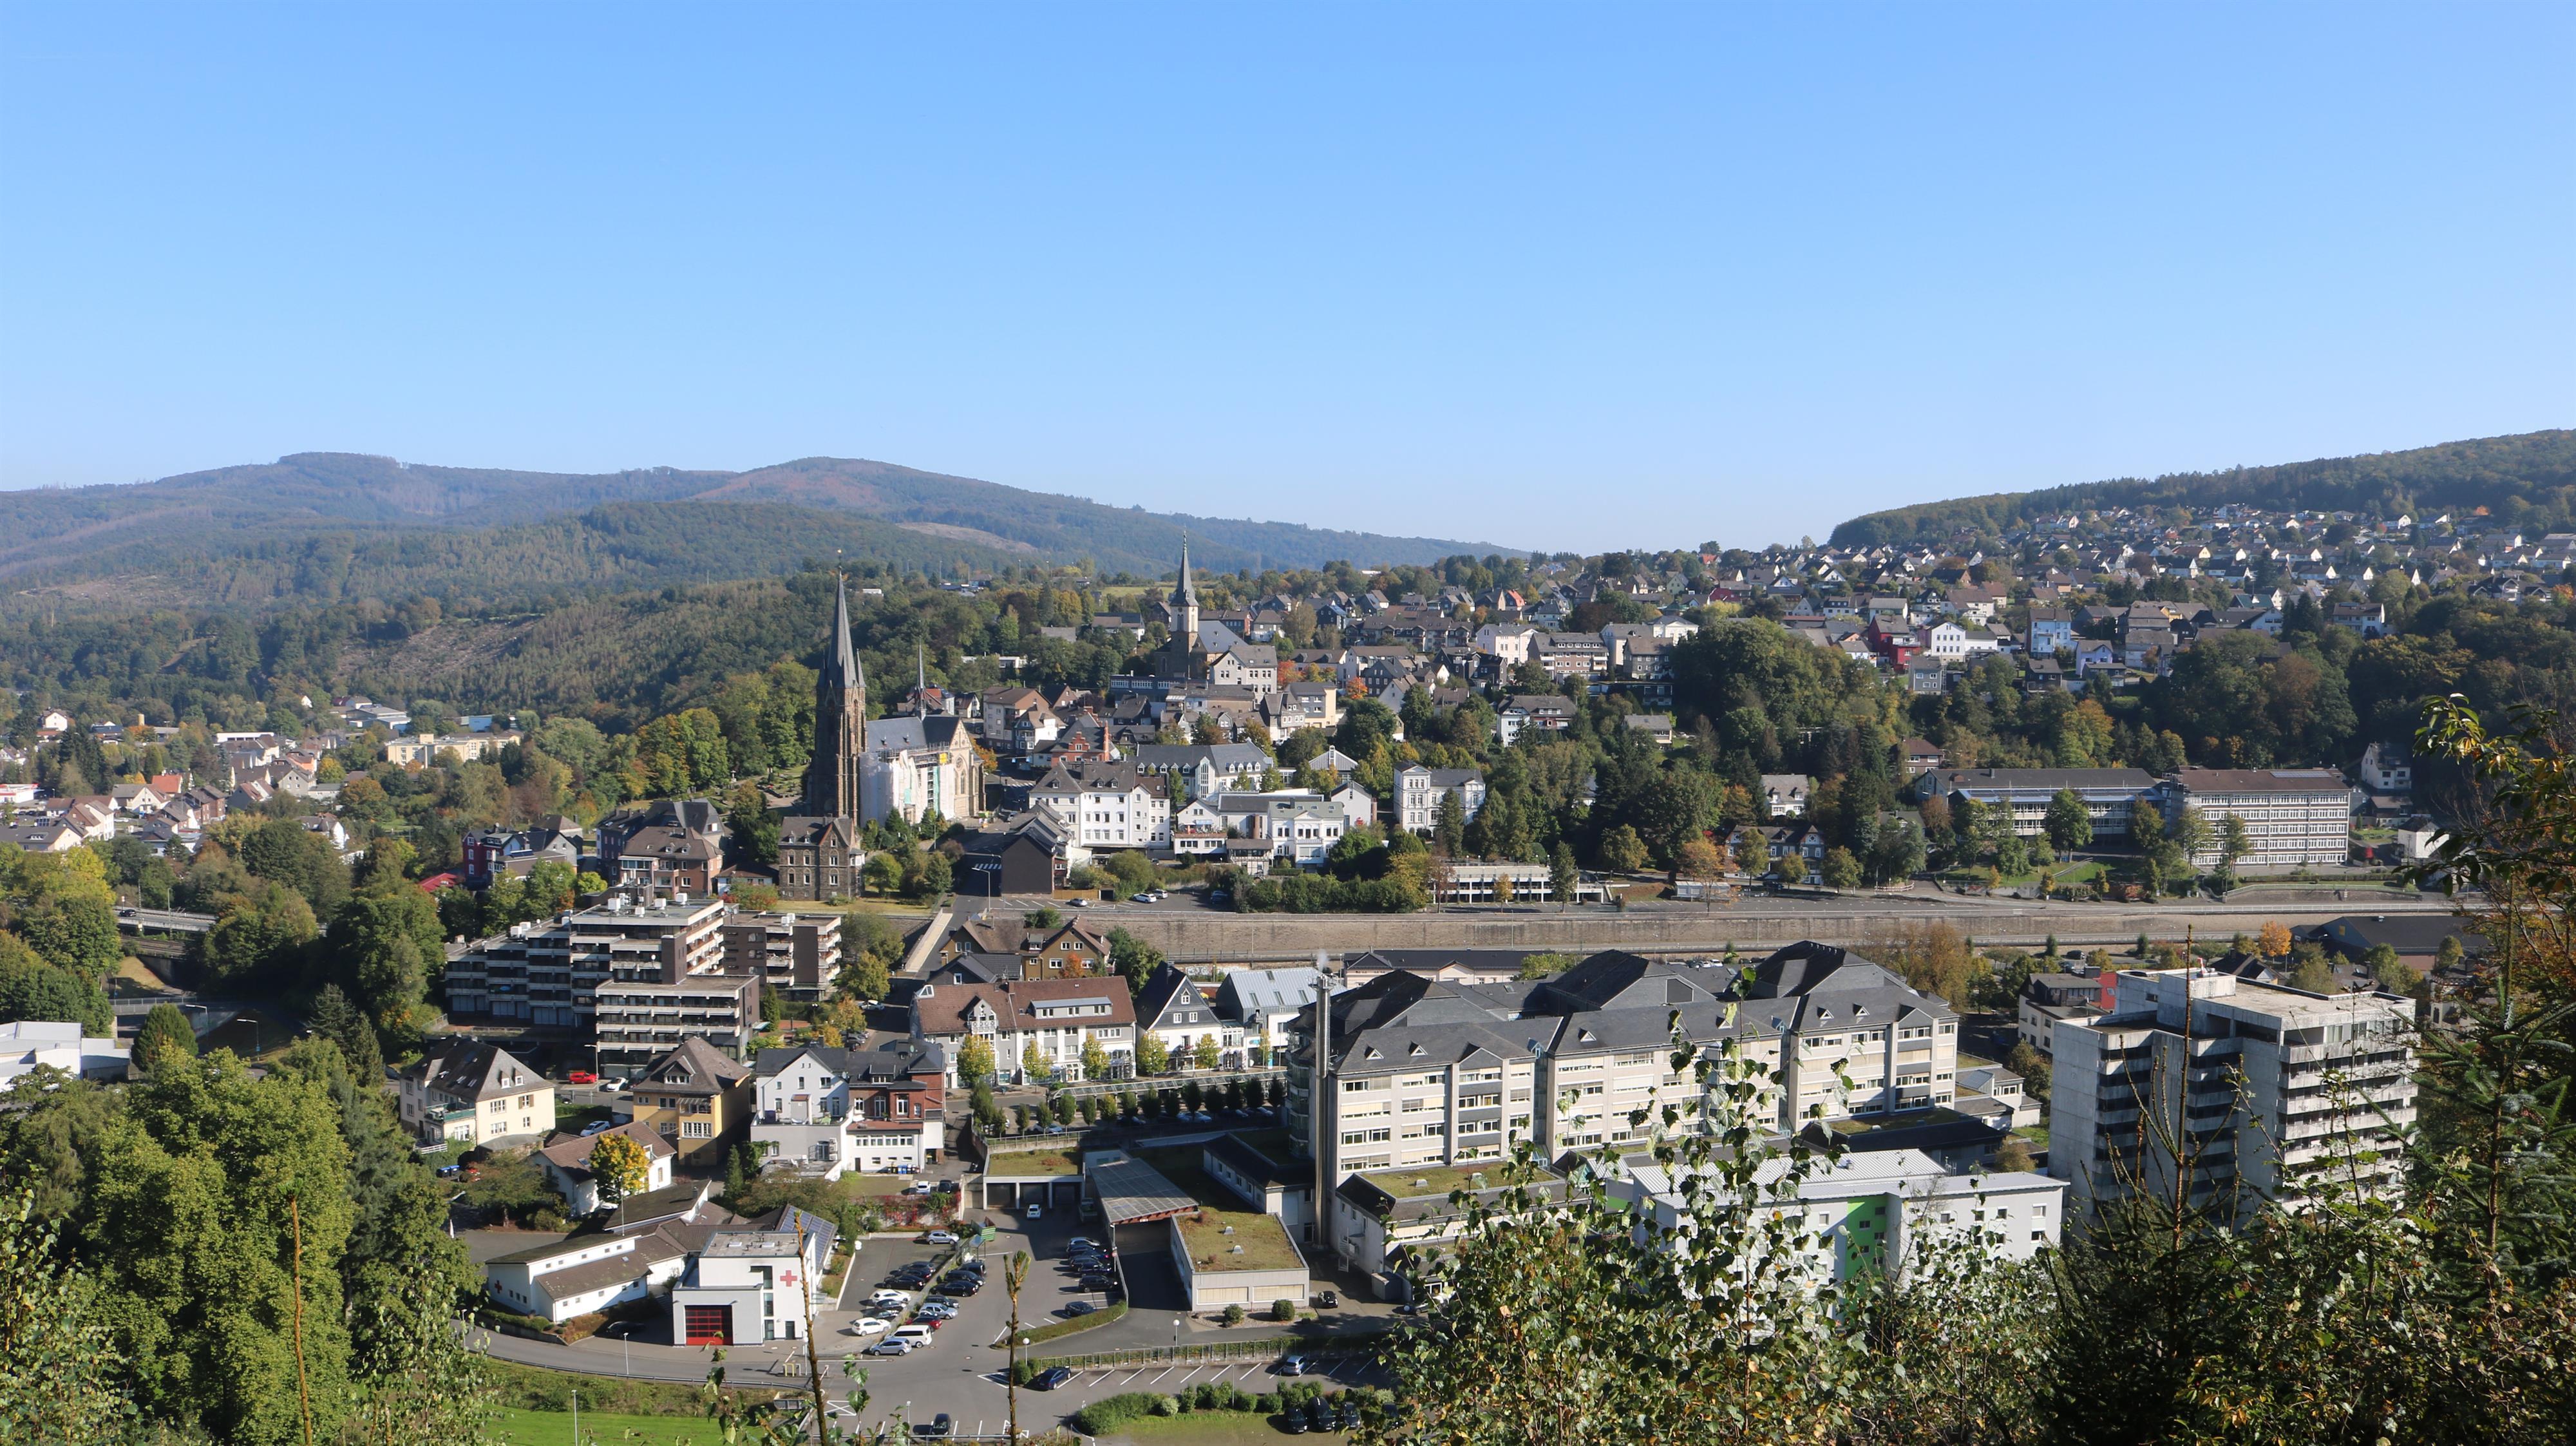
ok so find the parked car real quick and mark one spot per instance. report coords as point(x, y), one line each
point(611, 1086)
point(939, 1428)
point(1052, 1377)
point(939, 1237)
point(1036, 1212)
point(595, 1126)
point(868, 1325)
point(890, 1348)
point(917, 1187)
point(1292, 1366)
point(1080, 1307)
point(581, 1076)
point(935, 1312)
point(1146, 897)
point(1055, 1129)
point(891, 1297)
point(1293, 1421)
point(1332, 1300)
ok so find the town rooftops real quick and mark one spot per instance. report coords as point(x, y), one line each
point(2023, 780)
point(571, 1153)
point(2260, 780)
point(693, 1066)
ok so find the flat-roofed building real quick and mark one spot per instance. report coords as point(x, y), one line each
point(2279, 1092)
point(1866, 1214)
point(795, 954)
point(2110, 795)
point(2294, 817)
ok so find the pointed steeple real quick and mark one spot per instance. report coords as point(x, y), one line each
point(1185, 603)
point(832, 788)
point(846, 670)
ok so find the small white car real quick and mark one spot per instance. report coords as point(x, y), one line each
point(890, 1297)
point(935, 1312)
point(940, 1237)
point(869, 1326)
point(1035, 1212)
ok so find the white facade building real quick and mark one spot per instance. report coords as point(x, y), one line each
point(2284, 1090)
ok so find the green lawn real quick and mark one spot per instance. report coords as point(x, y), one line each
point(1210, 1428)
point(554, 1428)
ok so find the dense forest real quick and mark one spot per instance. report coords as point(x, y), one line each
point(317, 527)
point(2526, 481)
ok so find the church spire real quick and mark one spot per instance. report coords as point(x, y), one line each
point(840, 722)
point(1185, 602)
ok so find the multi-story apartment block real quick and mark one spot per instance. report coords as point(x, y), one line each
point(795, 954)
point(1418, 791)
point(2259, 1092)
point(825, 1111)
point(2110, 794)
point(2294, 817)
point(1418, 1072)
point(1856, 1039)
point(636, 979)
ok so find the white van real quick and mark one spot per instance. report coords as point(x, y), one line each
point(919, 1335)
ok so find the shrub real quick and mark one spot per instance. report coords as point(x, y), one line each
point(1110, 1413)
point(1265, 1403)
point(1234, 1315)
point(1166, 1406)
point(1283, 1310)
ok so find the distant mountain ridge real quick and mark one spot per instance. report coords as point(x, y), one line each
point(196, 532)
point(2526, 480)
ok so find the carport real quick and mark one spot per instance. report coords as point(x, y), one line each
point(1132, 1192)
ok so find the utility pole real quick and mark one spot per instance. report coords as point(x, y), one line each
point(1014, 1271)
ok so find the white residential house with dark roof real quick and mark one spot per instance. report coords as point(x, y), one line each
point(1104, 805)
point(566, 1161)
point(1056, 1016)
point(1173, 1009)
point(1418, 790)
point(1784, 795)
point(465, 1090)
point(1263, 1004)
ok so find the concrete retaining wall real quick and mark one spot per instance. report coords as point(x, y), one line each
point(1272, 938)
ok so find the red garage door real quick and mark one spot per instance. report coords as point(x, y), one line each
point(709, 1325)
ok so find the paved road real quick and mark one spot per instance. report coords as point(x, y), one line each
point(175, 920)
point(962, 1372)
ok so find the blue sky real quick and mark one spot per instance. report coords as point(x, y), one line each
point(1558, 277)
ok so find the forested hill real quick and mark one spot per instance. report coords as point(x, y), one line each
point(297, 526)
point(2527, 481)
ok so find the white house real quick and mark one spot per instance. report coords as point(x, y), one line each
point(566, 1161)
point(1418, 791)
point(1172, 1009)
point(461, 1089)
point(1106, 805)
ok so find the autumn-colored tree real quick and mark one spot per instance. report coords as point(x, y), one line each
point(619, 1167)
point(2275, 940)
